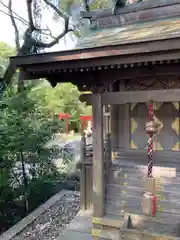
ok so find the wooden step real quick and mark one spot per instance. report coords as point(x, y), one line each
point(109, 221)
point(107, 227)
point(125, 188)
point(163, 223)
point(112, 209)
point(112, 227)
point(130, 234)
point(140, 154)
point(141, 163)
point(136, 156)
point(106, 233)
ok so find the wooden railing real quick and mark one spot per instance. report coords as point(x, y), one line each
point(85, 165)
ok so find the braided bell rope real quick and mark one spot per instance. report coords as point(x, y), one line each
point(150, 144)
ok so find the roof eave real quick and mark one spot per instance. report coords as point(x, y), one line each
point(147, 47)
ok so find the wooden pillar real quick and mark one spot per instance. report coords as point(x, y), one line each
point(98, 157)
point(114, 125)
point(83, 173)
point(114, 119)
point(123, 122)
point(126, 127)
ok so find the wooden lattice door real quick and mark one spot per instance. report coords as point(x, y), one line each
point(167, 138)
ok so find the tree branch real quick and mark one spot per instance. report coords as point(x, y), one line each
point(61, 35)
point(16, 178)
point(14, 13)
point(31, 45)
point(55, 41)
point(14, 25)
point(57, 10)
point(19, 19)
point(86, 5)
point(30, 17)
point(46, 32)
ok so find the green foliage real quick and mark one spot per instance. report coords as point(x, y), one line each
point(28, 120)
point(66, 5)
point(100, 4)
point(5, 52)
point(64, 98)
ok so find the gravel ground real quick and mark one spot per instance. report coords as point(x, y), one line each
point(52, 222)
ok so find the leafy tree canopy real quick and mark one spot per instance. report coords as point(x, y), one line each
point(5, 52)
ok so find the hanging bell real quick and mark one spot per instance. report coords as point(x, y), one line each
point(151, 127)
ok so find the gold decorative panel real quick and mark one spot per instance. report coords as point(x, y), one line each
point(166, 115)
point(175, 125)
point(133, 106)
point(160, 124)
point(157, 105)
point(176, 105)
point(133, 125)
point(133, 145)
point(114, 155)
point(176, 146)
point(158, 146)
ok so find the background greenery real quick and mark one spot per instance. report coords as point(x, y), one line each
point(28, 120)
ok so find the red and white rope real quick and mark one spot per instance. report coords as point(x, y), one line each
point(150, 144)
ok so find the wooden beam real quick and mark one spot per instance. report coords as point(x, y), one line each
point(98, 157)
point(109, 98)
point(86, 79)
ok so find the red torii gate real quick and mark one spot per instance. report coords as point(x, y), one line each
point(83, 120)
point(65, 116)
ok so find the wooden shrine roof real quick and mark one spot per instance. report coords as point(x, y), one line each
point(133, 33)
point(130, 39)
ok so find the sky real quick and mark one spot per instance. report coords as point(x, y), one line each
point(7, 31)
